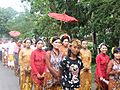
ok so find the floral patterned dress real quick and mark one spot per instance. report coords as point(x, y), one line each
point(51, 82)
point(113, 71)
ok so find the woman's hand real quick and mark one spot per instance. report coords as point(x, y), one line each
point(43, 75)
point(38, 75)
point(101, 78)
point(29, 68)
point(56, 75)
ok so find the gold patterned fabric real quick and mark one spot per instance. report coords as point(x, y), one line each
point(50, 84)
point(86, 58)
point(36, 87)
point(113, 85)
point(25, 69)
point(25, 82)
point(63, 50)
point(85, 74)
point(85, 80)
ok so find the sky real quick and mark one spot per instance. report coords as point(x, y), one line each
point(15, 4)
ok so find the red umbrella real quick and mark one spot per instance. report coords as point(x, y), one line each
point(62, 17)
point(14, 33)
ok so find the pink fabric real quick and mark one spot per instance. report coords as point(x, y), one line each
point(16, 49)
point(14, 33)
point(102, 61)
point(38, 65)
point(62, 17)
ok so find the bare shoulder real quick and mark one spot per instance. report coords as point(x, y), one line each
point(48, 52)
point(111, 62)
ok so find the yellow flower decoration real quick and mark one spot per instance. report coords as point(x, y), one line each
point(51, 39)
point(113, 48)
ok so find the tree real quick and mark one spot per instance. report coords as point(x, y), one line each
point(23, 22)
point(5, 15)
point(97, 17)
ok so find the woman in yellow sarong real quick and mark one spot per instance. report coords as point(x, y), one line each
point(85, 75)
point(65, 39)
point(25, 69)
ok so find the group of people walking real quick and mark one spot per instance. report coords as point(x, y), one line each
point(66, 65)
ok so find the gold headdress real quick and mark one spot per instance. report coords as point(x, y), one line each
point(76, 42)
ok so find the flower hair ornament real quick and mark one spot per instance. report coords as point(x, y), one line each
point(64, 36)
point(51, 40)
point(112, 51)
point(115, 50)
point(101, 44)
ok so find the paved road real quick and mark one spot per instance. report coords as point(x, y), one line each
point(8, 81)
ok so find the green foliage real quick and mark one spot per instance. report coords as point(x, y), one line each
point(99, 20)
point(93, 66)
point(5, 15)
point(101, 17)
point(23, 23)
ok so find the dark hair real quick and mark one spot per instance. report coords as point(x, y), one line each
point(65, 37)
point(19, 41)
point(116, 50)
point(38, 41)
point(103, 44)
point(54, 39)
point(69, 53)
point(83, 40)
point(26, 40)
point(51, 41)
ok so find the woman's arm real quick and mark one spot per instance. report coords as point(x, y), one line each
point(109, 67)
point(51, 69)
point(98, 61)
point(33, 63)
point(20, 57)
point(62, 66)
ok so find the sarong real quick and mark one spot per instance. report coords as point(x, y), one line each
point(25, 81)
point(85, 80)
point(50, 83)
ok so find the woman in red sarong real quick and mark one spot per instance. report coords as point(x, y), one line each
point(38, 65)
point(102, 61)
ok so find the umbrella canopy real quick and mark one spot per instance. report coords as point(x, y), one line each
point(62, 17)
point(14, 33)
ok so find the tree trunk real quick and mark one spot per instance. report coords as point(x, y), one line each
point(94, 46)
point(119, 42)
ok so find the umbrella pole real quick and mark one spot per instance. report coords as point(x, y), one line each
point(61, 25)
